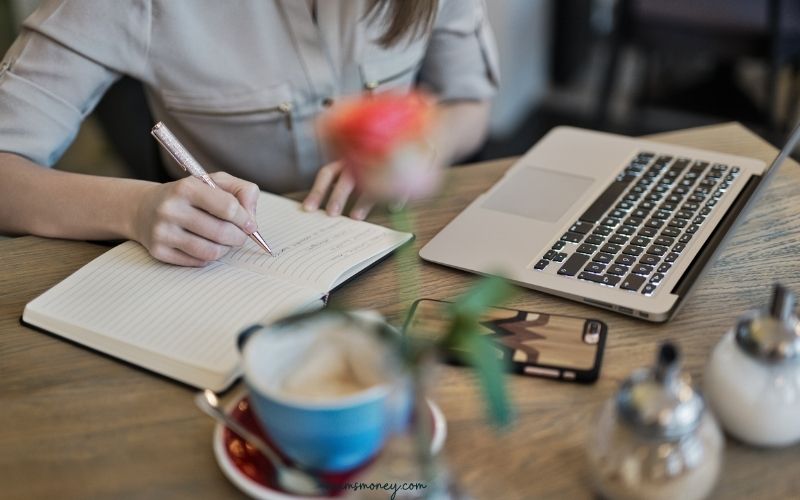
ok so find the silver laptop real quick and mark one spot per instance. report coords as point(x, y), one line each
point(616, 222)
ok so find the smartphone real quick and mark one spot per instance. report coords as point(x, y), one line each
point(536, 344)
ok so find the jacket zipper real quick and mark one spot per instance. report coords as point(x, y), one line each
point(374, 84)
point(285, 108)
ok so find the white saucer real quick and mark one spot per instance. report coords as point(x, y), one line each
point(257, 489)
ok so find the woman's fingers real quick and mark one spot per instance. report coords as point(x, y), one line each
point(191, 245)
point(341, 192)
point(217, 202)
point(362, 207)
point(246, 192)
point(175, 256)
point(209, 227)
point(322, 184)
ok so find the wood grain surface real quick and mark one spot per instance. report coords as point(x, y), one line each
point(77, 424)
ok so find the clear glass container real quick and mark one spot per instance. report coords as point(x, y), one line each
point(655, 439)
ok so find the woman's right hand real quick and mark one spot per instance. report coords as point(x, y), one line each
point(188, 223)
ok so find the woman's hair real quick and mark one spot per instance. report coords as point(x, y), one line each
point(404, 19)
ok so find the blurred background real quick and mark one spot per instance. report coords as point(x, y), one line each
point(628, 66)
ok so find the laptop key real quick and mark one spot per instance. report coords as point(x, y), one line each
point(664, 267)
point(625, 260)
point(594, 267)
point(672, 232)
point(626, 230)
point(649, 259)
point(678, 223)
point(662, 214)
point(642, 269)
point(632, 282)
point(664, 241)
point(657, 250)
point(617, 214)
point(639, 214)
point(581, 227)
point(617, 269)
point(699, 220)
point(590, 277)
point(550, 254)
point(632, 197)
point(601, 205)
point(611, 248)
point(587, 249)
point(602, 230)
point(573, 264)
point(594, 239)
point(655, 223)
point(685, 238)
point(671, 257)
point(640, 241)
point(618, 239)
point(560, 257)
point(558, 245)
point(603, 258)
point(649, 289)
point(572, 237)
point(648, 232)
point(633, 250)
point(541, 264)
point(624, 206)
point(610, 221)
point(678, 248)
point(683, 214)
point(668, 205)
point(656, 278)
point(690, 206)
point(596, 278)
point(646, 206)
point(692, 229)
point(633, 221)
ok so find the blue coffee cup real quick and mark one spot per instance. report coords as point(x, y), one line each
point(325, 423)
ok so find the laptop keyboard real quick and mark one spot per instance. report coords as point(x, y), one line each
point(636, 230)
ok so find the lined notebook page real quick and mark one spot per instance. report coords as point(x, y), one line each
point(312, 249)
point(184, 314)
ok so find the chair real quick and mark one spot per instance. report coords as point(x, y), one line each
point(730, 30)
point(125, 117)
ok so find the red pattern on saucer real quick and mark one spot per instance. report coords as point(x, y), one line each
point(249, 470)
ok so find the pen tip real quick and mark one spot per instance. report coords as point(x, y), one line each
point(256, 236)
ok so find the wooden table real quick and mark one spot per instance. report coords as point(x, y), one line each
point(77, 424)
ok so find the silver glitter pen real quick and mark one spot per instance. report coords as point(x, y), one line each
point(187, 162)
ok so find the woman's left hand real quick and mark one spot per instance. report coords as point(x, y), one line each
point(335, 182)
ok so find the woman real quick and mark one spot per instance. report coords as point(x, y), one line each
point(240, 84)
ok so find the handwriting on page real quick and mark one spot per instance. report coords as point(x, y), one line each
point(310, 248)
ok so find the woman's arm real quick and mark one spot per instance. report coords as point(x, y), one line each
point(182, 222)
point(462, 129)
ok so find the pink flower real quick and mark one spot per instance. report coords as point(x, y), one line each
point(381, 140)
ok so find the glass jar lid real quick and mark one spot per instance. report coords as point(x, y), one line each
point(659, 402)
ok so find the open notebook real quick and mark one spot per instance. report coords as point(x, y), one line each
point(183, 322)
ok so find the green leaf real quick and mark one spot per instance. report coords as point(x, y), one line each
point(465, 339)
point(479, 352)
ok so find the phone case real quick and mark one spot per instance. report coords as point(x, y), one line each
point(537, 344)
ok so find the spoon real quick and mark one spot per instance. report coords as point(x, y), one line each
point(289, 478)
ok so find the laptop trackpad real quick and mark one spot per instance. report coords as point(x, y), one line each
point(537, 193)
